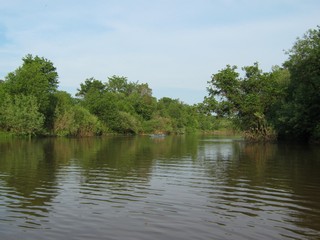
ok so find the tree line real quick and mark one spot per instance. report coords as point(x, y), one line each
point(31, 104)
point(283, 103)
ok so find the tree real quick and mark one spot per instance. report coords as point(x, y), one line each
point(37, 77)
point(176, 111)
point(301, 113)
point(90, 84)
point(117, 84)
point(71, 119)
point(86, 124)
point(120, 104)
point(158, 125)
point(246, 100)
point(144, 104)
point(99, 102)
point(127, 123)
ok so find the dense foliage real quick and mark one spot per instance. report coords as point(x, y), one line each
point(282, 103)
point(301, 111)
point(249, 101)
point(129, 107)
point(31, 104)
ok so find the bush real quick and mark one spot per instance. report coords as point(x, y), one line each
point(77, 121)
point(21, 115)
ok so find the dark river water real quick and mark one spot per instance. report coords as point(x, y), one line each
point(186, 187)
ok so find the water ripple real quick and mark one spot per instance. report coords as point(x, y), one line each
point(216, 193)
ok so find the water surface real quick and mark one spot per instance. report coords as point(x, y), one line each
point(184, 187)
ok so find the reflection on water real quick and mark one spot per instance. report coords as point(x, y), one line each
point(182, 187)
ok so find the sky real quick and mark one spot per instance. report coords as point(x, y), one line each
point(173, 45)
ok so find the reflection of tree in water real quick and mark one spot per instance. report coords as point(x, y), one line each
point(256, 175)
point(175, 148)
point(112, 168)
point(130, 158)
point(216, 155)
point(28, 169)
point(122, 154)
point(246, 179)
point(301, 164)
point(33, 170)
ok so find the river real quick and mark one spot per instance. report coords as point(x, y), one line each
point(175, 187)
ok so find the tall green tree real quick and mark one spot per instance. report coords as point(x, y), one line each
point(301, 113)
point(246, 100)
point(36, 77)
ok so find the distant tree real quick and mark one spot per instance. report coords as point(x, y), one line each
point(90, 84)
point(127, 124)
point(143, 103)
point(158, 124)
point(71, 119)
point(64, 124)
point(86, 124)
point(117, 84)
point(100, 102)
point(176, 111)
point(120, 104)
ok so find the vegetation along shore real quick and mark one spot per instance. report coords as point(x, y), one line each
point(264, 106)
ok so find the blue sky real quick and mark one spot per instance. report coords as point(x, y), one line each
point(173, 45)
